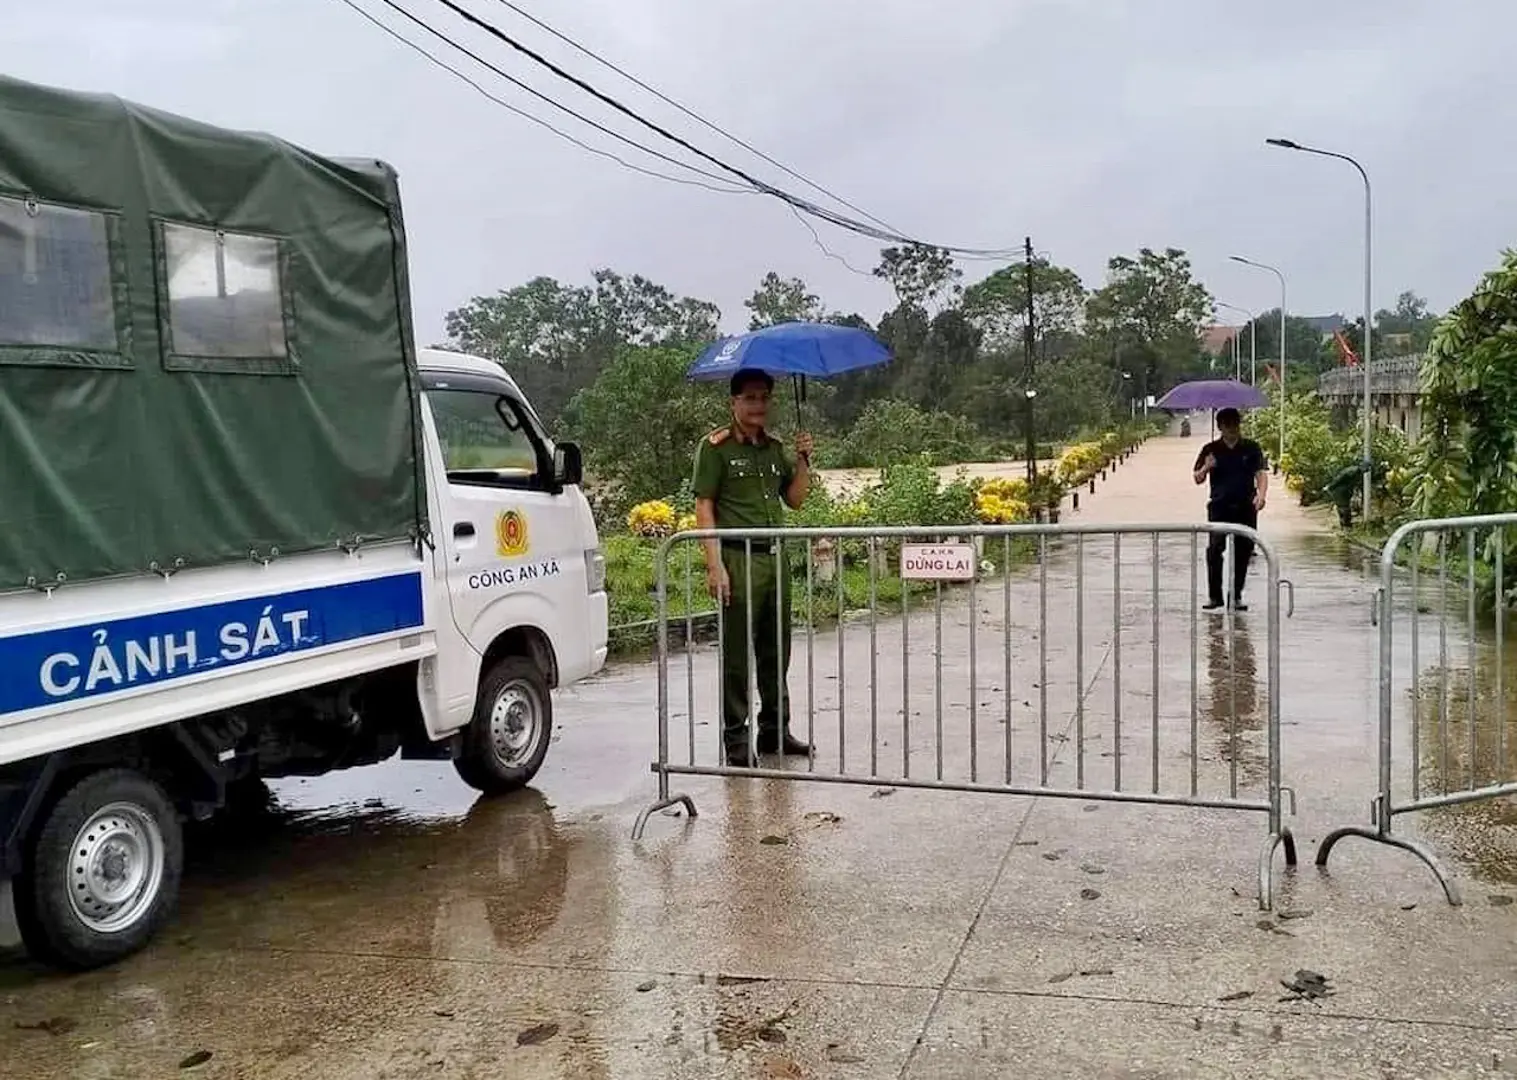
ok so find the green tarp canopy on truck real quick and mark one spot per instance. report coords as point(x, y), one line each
point(205, 345)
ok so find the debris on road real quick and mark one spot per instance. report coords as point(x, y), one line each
point(774, 839)
point(195, 1060)
point(734, 1032)
point(1238, 995)
point(537, 1034)
point(1307, 986)
point(739, 980)
point(53, 1025)
point(1498, 900)
point(781, 1068)
point(1086, 973)
point(1089, 894)
point(644, 987)
point(882, 793)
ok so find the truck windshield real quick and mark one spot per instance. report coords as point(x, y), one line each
point(485, 438)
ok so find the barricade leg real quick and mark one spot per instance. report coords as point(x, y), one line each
point(1389, 839)
point(665, 802)
point(665, 799)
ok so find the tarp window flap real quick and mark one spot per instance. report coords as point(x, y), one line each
point(63, 292)
point(228, 301)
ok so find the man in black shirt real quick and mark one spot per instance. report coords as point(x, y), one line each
point(1239, 482)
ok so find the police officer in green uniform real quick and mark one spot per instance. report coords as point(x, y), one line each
point(744, 479)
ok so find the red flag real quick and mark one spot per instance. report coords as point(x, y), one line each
point(1345, 350)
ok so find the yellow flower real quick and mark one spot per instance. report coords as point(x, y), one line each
point(993, 509)
point(685, 523)
point(1005, 487)
point(1080, 462)
point(653, 518)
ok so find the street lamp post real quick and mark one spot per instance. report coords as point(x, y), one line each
point(1272, 270)
point(1253, 351)
point(1287, 144)
point(1253, 343)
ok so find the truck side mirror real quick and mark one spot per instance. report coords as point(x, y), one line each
point(568, 465)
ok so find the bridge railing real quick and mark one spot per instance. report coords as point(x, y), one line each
point(1393, 375)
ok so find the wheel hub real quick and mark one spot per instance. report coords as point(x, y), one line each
point(514, 723)
point(115, 868)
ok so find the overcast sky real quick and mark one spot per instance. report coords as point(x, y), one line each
point(1096, 126)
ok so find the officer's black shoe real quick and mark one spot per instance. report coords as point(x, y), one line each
point(1211, 605)
point(738, 756)
point(792, 747)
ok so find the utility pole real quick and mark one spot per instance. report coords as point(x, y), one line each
point(1031, 390)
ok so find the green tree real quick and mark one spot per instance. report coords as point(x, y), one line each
point(1468, 456)
point(1410, 320)
point(893, 431)
point(640, 421)
point(1152, 309)
point(1082, 390)
point(1305, 349)
point(781, 300)
point(555, 338)
point(921, 275)
point(997, 304)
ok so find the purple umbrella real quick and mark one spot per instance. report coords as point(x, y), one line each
point(1213, 394)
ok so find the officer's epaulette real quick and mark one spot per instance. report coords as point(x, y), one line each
point(719, 436)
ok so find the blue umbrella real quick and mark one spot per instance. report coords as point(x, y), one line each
point(1213, 394)
point(801, 350)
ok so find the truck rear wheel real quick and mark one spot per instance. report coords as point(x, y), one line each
point(103, 872)
point(506, 741)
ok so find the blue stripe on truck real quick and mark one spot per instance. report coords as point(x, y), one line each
point(73, 663)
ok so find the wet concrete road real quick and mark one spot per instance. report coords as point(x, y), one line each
point(382, 923)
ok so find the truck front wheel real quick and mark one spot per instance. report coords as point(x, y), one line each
point(506, 741)
point(103, 872)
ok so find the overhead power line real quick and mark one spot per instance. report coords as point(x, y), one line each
point(722, 186)
point(727, 185)
point(692, 114)
point(805, 205)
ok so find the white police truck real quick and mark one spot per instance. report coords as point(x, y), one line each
point(247, 528)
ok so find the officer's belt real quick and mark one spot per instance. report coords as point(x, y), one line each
point(759, 547)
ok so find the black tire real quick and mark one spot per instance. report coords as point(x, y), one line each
point(69, 923)
point(507, 739)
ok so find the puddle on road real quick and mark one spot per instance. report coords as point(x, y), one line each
point(308, 846)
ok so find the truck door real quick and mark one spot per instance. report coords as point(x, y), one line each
point(514, 546)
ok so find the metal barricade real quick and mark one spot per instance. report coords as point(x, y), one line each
point(1041, 660)
point(1455, 712)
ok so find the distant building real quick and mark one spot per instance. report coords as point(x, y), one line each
point(1218, 340)
point(1326, 325)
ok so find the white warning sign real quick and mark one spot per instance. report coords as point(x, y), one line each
point(937, 562)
